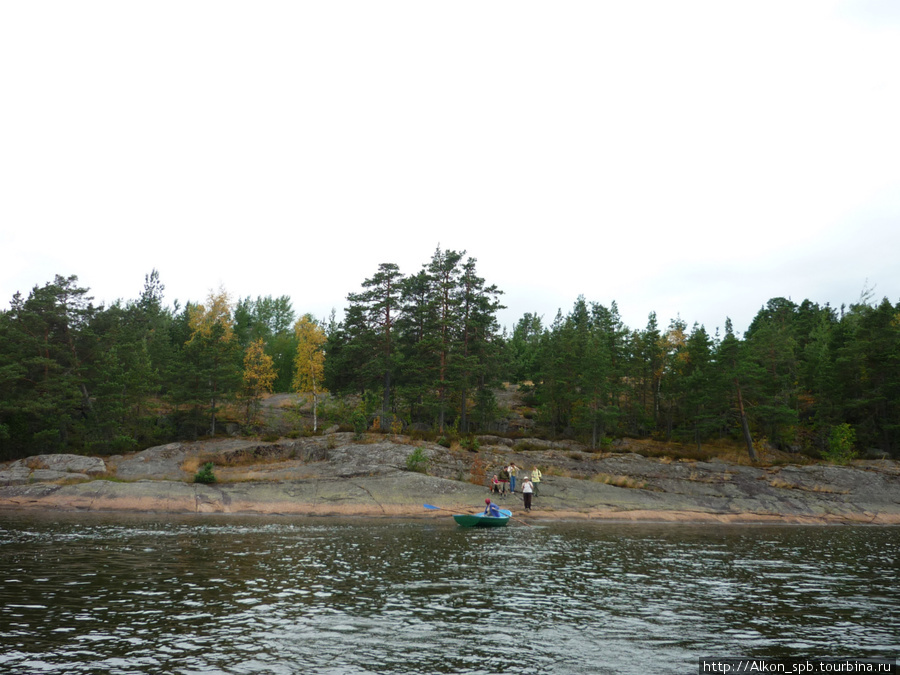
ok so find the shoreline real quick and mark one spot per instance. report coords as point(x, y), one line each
point(180, 499)
point(611, 518)
point(339, 476)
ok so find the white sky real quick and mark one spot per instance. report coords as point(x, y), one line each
point(692, 158)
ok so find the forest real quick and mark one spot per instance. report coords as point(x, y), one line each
point(424, 351)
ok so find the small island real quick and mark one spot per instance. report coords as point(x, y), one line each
point(417, 395)
point(345, 474)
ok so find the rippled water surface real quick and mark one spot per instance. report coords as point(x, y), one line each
point(92, 594)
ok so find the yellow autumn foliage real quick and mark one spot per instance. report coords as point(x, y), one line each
point(259, 370)
point(203, 319)
point(309, 362)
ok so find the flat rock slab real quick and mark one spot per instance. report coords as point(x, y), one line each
point(52, 468)
point(339, 474)
point(381, 495)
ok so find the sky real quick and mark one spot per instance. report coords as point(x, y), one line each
point(693, 159)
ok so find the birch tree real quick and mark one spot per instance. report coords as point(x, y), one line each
point(309, 363)
point(258, 378)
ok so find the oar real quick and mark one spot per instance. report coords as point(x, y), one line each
point(438, 508)
point(520, 521)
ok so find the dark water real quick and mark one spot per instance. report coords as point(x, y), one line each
point(103, 594)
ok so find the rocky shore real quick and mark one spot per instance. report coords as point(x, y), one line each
point(337, 474)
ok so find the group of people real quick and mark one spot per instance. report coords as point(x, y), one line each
point(507, 476)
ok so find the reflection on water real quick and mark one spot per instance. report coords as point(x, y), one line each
point(215, 595)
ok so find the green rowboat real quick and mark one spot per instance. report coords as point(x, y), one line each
point(481, 520)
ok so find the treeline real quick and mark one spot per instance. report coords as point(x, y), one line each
point(425, 350)
point(76, 377)
point(803, 377)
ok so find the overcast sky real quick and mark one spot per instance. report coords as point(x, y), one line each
point(692, 158)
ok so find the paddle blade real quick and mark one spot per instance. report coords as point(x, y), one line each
point(433, 508)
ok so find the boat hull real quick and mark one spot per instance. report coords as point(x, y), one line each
point(480, 520)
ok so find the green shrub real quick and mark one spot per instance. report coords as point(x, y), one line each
point(444, 441)
point(417, 461)
point(525, 446)
point(470, 443)
point(122, 444)
point(205, 474)
point(840, 444)
point(359, 422)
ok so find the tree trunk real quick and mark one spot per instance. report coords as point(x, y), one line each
point(315, 410)
point(463, 417)
point(745, 425)
point(86, 404)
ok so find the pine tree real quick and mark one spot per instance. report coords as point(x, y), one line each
point(46, 342)
point(733, 366)
point(479, 305)
point(699, 394)
point(523, 347)
point(272, 320)
point(557, 374)
point(771, 371)
point(672, 378)
point(214, 349)
point(417, 348)
point(444, 273)
point(377, 308)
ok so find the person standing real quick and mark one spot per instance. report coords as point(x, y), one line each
point(536, 480)
point(527, 492)
point(504, 481)
point(512, 469)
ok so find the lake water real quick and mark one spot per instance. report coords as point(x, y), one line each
point(86, 593)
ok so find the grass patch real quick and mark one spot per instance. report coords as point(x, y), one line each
point(253, 477)
point(619, 481)
point(826, 489)
point(696, 477)
point(821, 489)
point(70, 480)
point(193, 464)
point(526, 446)
point(725, 450)
point(264, 454)
point(111, 478)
